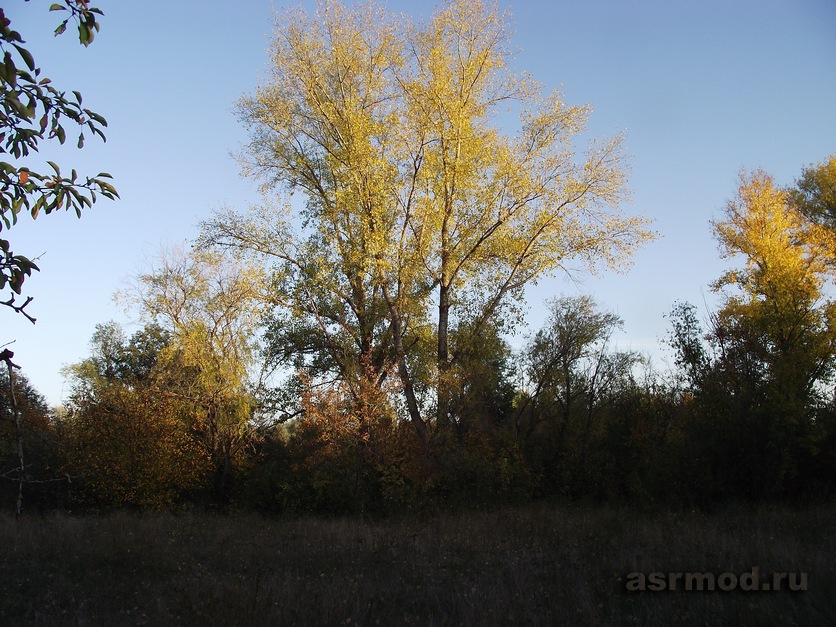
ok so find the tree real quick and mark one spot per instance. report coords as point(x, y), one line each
point(787, 328)
point(34, 111)
point(492, 214)
point(116, 358)
point(720, 390)
point(571, 374)
point(322, 126)
point(415, 200)
point(480, 387)
point(769, 364)
point(779, 291)
point(566, 352)
point(210, 310)
point(126, 444)
point(24, 422)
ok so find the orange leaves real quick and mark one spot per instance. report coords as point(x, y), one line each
point(132, 449)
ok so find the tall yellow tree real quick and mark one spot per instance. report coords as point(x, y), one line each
point(325, 125)
point(491, 213)
point(422, 216)
point(780, 286)
point(775, 315)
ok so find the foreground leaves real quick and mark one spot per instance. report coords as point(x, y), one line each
point(33, 111)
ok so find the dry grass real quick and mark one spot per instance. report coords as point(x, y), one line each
point(546, 565)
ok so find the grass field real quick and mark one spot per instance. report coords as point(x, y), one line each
point(544, 565)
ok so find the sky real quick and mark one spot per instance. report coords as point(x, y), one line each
point(699, 89)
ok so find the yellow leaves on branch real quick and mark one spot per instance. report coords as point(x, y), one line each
point(416, 199)
point(212, 305)
point(387, 128)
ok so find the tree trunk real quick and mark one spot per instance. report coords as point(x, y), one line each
point(403, 370)
point(443, 410)
point(6, 356)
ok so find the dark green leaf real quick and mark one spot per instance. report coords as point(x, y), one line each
point(85, 34)
point(10, 70)
point(16, 281)
point(27, 57)
point(95, 116)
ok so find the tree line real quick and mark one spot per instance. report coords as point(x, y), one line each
point(184, 412)
point(352, 357)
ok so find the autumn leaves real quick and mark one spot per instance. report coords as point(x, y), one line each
point(423, 220)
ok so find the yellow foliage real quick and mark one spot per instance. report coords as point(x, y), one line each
point(778, 298)
point(388, 128)
point(787, 257)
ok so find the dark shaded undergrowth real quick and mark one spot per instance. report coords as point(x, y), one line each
point(546, 565)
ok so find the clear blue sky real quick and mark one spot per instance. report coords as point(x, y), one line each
point(701, 89)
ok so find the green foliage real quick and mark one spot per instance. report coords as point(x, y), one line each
point(687, 342)
point(479, 383)
point(756, 385)
point(84, 16)
point(32, 111)
point(117, 359)
point(779, 328)
point(128, 447)
point(814, 194)
point(572, 377)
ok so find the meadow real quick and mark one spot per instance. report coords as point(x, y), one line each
point(545, 564)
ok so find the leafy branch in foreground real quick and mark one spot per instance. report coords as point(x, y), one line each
point(32, 110)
